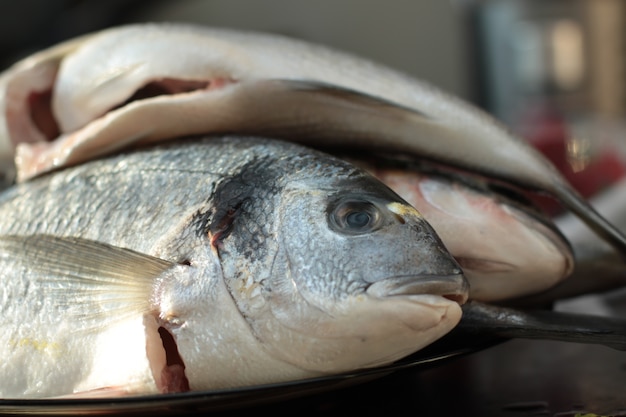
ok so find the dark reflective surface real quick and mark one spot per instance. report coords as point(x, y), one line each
point(513, 379)
point(239, 399)
point(518, 378)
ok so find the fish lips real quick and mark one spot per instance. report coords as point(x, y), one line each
point(453, 287)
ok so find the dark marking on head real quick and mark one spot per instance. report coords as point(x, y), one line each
point(238, 199)
point(222, 224)
point(201, 222)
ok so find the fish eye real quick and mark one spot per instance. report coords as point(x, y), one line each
point(355, 217)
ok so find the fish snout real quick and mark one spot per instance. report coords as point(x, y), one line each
point(454, 287)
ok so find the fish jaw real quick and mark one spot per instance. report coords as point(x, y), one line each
point(504, 251)
point(407, 313)
point(393, 318)
point(361, 332)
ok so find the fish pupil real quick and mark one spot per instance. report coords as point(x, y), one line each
point(358, 219)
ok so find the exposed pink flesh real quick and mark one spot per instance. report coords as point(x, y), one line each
point(27, 110)
point(166, 365)
point(165, 362)
point(172, 376)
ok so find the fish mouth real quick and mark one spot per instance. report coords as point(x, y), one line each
point(454, 287)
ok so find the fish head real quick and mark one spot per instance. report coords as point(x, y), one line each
point(360, 279)
point(323, 269)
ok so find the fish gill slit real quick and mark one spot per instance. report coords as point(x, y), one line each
point(185, 262)
point(172, 86)
point(173, 378)
point(222, 225)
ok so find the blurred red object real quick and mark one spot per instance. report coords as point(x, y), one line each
point(590, 168)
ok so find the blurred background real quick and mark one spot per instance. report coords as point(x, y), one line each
point(551, 70)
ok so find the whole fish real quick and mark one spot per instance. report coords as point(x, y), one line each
point(212, 263)
point(140, 83)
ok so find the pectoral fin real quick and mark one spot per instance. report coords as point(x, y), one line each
point(92, 279)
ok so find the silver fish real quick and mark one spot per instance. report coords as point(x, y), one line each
point(99, 93)
point(213, 263)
